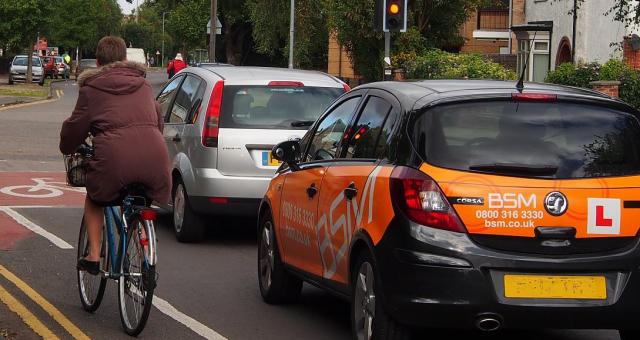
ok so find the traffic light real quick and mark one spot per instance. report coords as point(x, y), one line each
point(391, 15)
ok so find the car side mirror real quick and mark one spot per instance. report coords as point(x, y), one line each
point(287, 152)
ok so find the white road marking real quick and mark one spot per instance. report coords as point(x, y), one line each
point(200, 329)
point(36, 228)
point(162, 305)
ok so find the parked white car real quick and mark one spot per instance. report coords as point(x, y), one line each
point(18, 70)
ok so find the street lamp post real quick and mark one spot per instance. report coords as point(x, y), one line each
point(292, 20)
point(162, 64)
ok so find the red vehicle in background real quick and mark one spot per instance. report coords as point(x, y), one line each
point(50, 67)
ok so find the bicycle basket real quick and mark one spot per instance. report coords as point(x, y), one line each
point(76, 166)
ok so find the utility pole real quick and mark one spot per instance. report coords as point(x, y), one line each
point(292, 31)
point(212, 35)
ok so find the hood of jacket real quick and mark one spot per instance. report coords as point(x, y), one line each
point(120, 77)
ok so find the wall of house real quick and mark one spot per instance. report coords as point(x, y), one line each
point(595, 32)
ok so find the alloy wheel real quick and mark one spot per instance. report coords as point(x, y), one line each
point(364, 301)
point(179, 203)
point(267, 257)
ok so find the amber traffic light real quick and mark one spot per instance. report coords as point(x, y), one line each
point(391, 15)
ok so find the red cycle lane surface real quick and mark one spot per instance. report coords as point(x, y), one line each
point(38, 189)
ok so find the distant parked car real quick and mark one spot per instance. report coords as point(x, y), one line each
point(50, 67)
point(221, 123)
point(85, 64)
point(18, 70)
point(63, 68)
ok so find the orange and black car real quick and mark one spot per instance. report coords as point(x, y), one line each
point(461, 204)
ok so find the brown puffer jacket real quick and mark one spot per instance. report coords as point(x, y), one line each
point(116, 105)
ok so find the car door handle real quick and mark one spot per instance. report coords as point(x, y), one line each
point(176, 138)
point(350, 192)
point(312, 190)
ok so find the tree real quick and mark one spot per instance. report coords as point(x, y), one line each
point(437, 21)
point(21, 22)
point(83, 23)
point(270, 21)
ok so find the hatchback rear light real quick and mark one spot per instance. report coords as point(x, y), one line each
point(219, 200)
point(534, 97)
point(148, 214)
point(346, 88)
point(286, 83)
point(422, 201)
point(211, 127)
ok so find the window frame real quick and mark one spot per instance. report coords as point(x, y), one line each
point(165, 117)
point(395, 106)
point(360, 94)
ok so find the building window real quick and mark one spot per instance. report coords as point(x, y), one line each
point(494, 15)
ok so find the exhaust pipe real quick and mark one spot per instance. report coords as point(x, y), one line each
point(488, 322)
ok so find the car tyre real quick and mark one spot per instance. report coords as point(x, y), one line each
point(369, 319)
point(629, 335)
point(10, 80)
point(277, 285)
point(187, 224)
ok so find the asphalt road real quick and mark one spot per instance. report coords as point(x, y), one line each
point(211, 286)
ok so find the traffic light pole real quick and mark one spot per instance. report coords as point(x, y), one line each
point(387, 56)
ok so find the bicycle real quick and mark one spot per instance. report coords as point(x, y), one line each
point(132, 264)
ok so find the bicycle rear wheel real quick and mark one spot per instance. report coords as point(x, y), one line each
point(136, 285)
point(91, 287)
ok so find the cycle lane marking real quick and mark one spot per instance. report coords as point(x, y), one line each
point(62, 320)
point(162, 305)
point(60, 243)
point(25, 315)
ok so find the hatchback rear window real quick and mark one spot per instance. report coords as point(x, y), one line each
point(22, 61)
point(269, 107)
point(557, 140)
point(88, 63)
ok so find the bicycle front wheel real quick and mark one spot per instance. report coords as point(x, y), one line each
point(91, 287)
point(136, 285)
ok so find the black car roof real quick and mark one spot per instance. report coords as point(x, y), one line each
point(410, 92)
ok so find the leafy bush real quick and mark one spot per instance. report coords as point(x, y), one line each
point(582, 75)
point(437, 64)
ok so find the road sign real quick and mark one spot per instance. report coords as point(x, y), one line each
point(218, 27)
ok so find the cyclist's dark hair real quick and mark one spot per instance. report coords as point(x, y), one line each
point(111, 49)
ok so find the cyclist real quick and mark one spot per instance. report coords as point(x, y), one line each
point(116, 106)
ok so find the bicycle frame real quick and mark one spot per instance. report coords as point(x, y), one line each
point(113, 215)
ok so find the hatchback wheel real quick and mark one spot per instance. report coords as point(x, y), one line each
point(10, 80)
point(277, 286)
point(187, 224)
point(368, 317)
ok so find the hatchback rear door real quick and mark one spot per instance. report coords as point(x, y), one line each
point(557, 177)
point(254, 118)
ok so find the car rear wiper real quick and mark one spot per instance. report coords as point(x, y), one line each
point(514, 168)
point(301, 123)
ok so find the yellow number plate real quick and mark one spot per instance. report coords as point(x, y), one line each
point(267, 160)
point(555, 287)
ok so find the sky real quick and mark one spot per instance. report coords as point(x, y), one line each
point(127, 7)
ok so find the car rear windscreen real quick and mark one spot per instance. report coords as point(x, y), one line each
point(22, 61)
point(88, 63)
point(274, 107)
point(549, 140)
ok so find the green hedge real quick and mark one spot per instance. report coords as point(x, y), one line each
point(581, 75)
point(437, 64)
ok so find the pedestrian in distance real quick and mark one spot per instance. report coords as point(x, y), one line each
point(117, 107)
point(175, 65)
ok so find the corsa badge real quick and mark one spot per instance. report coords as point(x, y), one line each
point(556, 203)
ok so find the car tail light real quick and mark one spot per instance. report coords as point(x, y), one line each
point(148, 214)
point(422, 201)
point(286, 83)
point(219, 200)
point(534, 97)
point(346, 88)
point(211, 127)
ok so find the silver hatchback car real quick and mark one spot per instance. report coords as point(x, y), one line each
point(221, 123)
